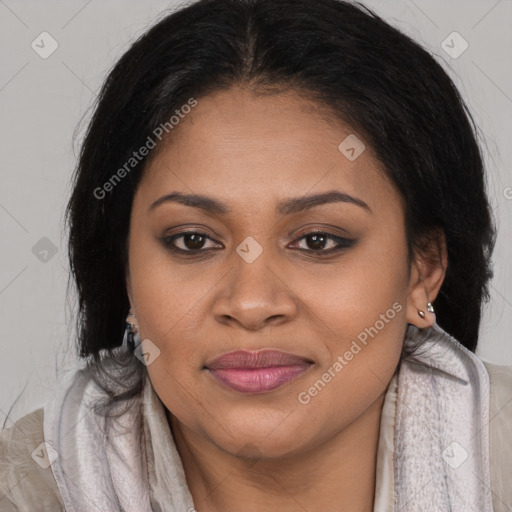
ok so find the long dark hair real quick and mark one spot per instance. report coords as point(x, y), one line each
point(342, 55)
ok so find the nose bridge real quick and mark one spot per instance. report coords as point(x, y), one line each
point(252, 276)
point(255, 292)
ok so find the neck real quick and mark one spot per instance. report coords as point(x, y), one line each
point(338, 474)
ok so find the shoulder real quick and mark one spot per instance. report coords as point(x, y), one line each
point(500, 374)
point(500, 378)
point(500, 434)
point(26, 479)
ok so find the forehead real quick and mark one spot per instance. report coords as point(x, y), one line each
point(250, 147)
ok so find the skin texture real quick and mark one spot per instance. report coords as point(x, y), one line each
point(268, 451)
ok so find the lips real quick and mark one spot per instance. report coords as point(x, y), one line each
point(257, 372)
point(259, 359)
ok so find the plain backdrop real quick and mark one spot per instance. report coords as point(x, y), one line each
point(43, 99)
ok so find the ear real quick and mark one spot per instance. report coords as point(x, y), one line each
point(427, 273)
point(129, 292)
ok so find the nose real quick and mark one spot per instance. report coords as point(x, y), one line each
point(255, 295)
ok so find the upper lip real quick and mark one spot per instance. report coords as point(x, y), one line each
point(256, 359)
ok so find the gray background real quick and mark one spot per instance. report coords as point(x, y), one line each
point(43, 100)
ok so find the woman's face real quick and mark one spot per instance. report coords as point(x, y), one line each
point(255, 276)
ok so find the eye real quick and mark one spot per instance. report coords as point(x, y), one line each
point(321, 242)
point(313, 242)
point(188, 241)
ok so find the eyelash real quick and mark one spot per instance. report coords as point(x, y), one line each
point(343, 243)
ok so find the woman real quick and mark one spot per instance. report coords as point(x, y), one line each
point(282, 202)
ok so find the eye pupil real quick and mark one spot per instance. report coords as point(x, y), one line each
point(193, 241)
point(318, 241)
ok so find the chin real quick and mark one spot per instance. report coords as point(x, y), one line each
point(257, 437)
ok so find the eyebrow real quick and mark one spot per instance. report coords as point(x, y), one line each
point(287, 207)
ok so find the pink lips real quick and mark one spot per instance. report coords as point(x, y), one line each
point(257, 372)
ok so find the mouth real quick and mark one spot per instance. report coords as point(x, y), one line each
point(257, 372)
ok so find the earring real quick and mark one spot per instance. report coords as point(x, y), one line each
point(131, 337)
point(421, 313)
point(430, 308)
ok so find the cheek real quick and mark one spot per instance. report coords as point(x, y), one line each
point(167, 307)
point(167, 301)
point(165, 293)
point(343, 390)
point(365, 324)
point(362, 310)
point(364, 284)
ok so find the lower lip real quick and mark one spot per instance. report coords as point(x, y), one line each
point(257, 380)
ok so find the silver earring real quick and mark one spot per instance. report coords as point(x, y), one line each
point(430, 308)
point(131, 337)
point(421, 313)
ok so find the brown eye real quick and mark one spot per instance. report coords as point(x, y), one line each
point(193, 241)
point(322, 243)
point(316, 241)
point(189, 241)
